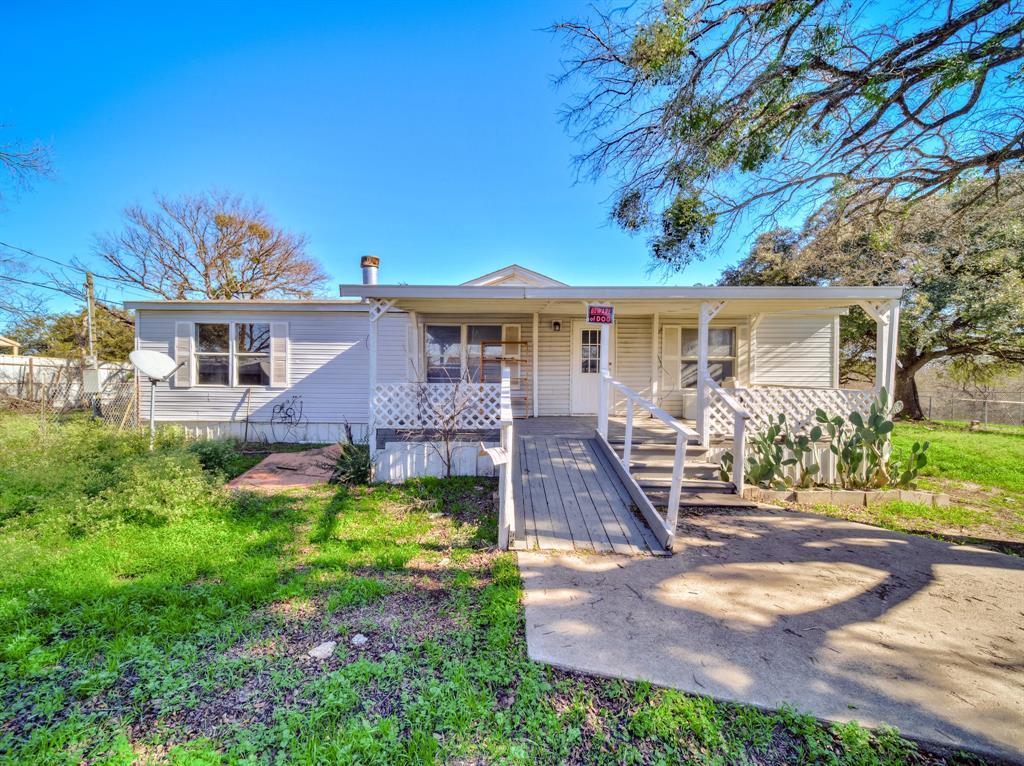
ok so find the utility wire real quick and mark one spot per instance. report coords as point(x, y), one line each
point(120, 285)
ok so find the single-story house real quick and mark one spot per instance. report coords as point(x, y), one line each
point(512, 345)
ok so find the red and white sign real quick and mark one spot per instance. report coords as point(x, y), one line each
point(600, 313)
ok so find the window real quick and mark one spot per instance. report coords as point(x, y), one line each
point(213, 354)
point(721, 355)
point(590, 351)
point(248, 343)
point(492, 352)
point(252, 354)
point(453, 352)
point(444, 353)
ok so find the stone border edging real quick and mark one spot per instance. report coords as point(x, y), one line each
point(857, 498)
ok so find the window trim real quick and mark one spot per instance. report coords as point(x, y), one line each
point(232, 355)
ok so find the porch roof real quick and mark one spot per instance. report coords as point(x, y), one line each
point(627, 300)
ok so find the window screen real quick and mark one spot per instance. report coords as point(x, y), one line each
point(213, 354)
point(443, 353)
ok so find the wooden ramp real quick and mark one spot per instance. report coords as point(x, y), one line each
point(568, 497)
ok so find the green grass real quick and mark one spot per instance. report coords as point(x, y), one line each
point(979, 470)
point(990, 458)
point(148, 616)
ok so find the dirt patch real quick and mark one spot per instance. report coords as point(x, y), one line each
point(417, 607)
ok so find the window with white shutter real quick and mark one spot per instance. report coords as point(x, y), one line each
point(183, 354)
point(279, 354)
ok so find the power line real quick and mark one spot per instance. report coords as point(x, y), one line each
point(120, 285)
point(38, 284)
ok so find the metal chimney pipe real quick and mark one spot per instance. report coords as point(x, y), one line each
point(369, 264)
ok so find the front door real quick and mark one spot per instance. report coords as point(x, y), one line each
point(586, 368)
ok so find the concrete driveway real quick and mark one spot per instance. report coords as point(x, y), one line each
point(841, 620)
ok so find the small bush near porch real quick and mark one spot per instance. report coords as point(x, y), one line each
point(151, 617)
point(981, 472)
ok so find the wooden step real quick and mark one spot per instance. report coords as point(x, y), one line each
point(659, 499)
point(688, 485)
point(658, 449)
point(660, 470)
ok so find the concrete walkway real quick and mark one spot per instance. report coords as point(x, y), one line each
point(841, 620)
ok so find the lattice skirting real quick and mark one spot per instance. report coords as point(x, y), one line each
point(798, 404)
point(437, 405)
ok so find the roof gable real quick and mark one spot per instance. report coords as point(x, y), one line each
point(514, 276)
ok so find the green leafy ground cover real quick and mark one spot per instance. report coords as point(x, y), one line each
point(981, 471)
point(147, 616)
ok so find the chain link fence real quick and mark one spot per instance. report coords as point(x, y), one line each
point(994, 408)
point(47, 385)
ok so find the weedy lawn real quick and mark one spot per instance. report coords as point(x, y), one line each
point(980, 471)
point(147, 616)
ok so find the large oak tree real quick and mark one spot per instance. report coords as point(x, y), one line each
point(213, 245)
point(963, 266)
point(712, 112)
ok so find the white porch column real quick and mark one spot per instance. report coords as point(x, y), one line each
point(535, 367)
point(376, 309)
point(892, 332)
point(603, 388)
point(707, 313)
point(655, 371)
point(371, 345)
point(887, 320)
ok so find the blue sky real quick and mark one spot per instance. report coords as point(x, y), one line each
point(426, 133)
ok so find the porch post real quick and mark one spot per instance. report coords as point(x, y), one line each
point(887, 377)
point(371, 344)
point(602, 387)
point(375, 310)
point(707, 313)
point(536, 361)
point(887, 319)
point(702, 370)
point(655, 371)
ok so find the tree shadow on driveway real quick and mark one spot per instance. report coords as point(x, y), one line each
point(842, 620)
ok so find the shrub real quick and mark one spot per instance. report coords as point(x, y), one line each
point(215, 455)
point(354, 464)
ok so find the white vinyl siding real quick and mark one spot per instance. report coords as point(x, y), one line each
point(553, 383)
point(796, 350)
point(324, 359)
point(631, 362)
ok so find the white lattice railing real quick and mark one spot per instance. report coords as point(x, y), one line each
point(798, 404)
point(435, 405)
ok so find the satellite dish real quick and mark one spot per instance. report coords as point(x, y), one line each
point(153, 364)
point(158, 368)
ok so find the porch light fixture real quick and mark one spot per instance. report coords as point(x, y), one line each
point(556, 326)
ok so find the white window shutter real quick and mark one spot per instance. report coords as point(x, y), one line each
point(278, 354)
point(183, 334)
point(670, 358)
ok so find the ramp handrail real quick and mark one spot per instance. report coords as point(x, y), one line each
point(683, 433)
point(501, 457)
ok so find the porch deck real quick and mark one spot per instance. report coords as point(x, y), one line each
point(567, 496)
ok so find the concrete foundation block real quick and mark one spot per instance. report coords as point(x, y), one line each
point(879, 496)
point(850, 498)
point(940, 500)
point(814, 496)
point(915, 496)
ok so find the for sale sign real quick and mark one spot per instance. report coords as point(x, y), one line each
point(600, 313)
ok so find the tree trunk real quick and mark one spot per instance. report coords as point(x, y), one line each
point(906, 392)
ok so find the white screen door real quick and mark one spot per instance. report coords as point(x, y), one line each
point(586, 367)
